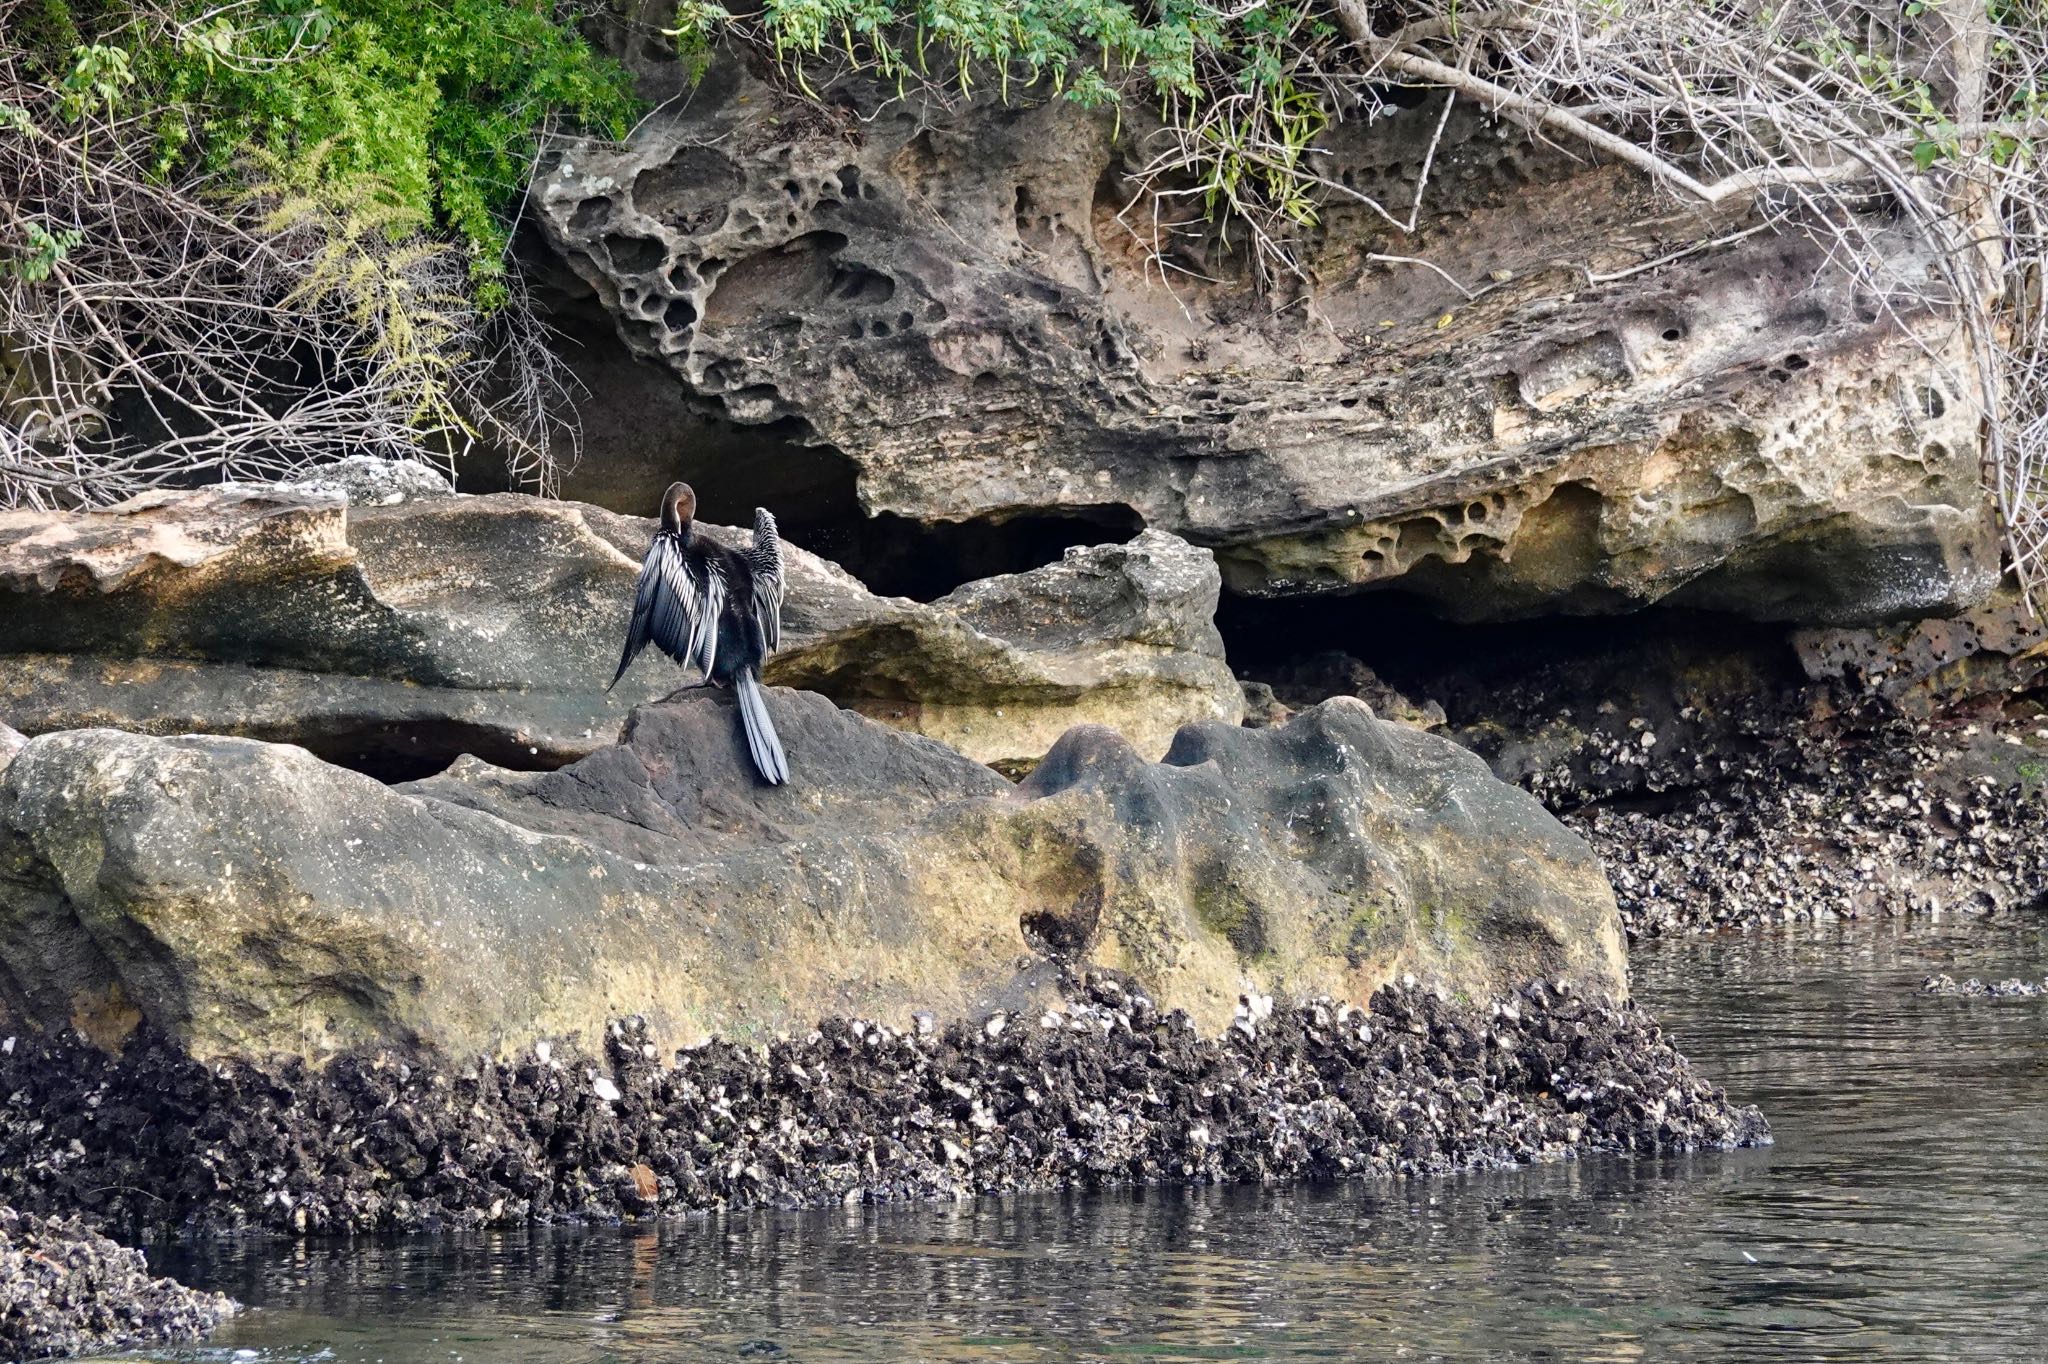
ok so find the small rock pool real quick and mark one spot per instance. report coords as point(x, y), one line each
point(1902, 1215)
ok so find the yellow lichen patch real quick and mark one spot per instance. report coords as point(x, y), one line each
point(105, 1017)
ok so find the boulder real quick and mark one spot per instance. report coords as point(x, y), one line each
point(246, 898)
point(397, 633)
point(1584, 401)
point(1116, 635)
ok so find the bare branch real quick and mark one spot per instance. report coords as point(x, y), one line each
point(236, 337)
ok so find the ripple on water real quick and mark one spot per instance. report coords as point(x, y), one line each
point(1898, 1218)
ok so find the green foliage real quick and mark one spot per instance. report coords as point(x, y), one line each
point(439, 100)
point(436, 104)
point(98, 77)
point(93, 87)
point(697, 25)
point(45, 248)
point(2019, 105)
point(1087, 49)
point(45, 29)
point(1236, 80)
point(374, 265)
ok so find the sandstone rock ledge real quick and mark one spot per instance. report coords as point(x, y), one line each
point(398, 631)
point(247, 899)
point(1614, 404)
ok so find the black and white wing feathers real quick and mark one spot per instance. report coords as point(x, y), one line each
point(764, 556)
point(693, 595)
point(676, 606)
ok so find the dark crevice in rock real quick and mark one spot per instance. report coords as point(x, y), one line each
point(394, 753)
point(899, 557)
point(643, 430)
point(1645, 714)
point(1480, 673)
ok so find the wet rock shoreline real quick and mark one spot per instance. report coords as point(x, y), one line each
point(1865, 818)
point(67, 1290)
point(1107, 1091)
point(1730, 775)
point(1948, 986)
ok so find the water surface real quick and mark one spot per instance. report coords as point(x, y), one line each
point(1903, 1215)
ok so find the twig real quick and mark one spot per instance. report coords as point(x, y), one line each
point(1439, 270)
point(1672, 256)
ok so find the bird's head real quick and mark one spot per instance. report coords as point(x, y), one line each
point(678, 506)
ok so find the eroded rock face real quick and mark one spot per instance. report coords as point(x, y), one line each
point(246, 898)
point(959, 300)
point(2000, 646)
point(416, 625)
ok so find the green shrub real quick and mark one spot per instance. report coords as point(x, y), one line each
point(441, 102)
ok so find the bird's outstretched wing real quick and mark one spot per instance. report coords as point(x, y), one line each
point(765, 556)
point(675, 607)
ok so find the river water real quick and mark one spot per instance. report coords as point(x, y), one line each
point(1902, 1215)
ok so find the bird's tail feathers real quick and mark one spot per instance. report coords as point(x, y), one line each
point(762, 741)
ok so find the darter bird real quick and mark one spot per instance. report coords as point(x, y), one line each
point(715, 609)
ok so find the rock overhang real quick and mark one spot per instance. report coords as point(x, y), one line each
point(1570, 429)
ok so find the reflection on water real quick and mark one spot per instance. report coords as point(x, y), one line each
point(1899, 1217)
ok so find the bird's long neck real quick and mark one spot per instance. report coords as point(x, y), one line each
point(678, 510)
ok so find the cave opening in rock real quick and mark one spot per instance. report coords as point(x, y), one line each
point(642, 429)
point(1475, 670)
point(900, 557)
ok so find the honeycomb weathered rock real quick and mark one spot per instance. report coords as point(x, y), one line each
point(959, 300)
